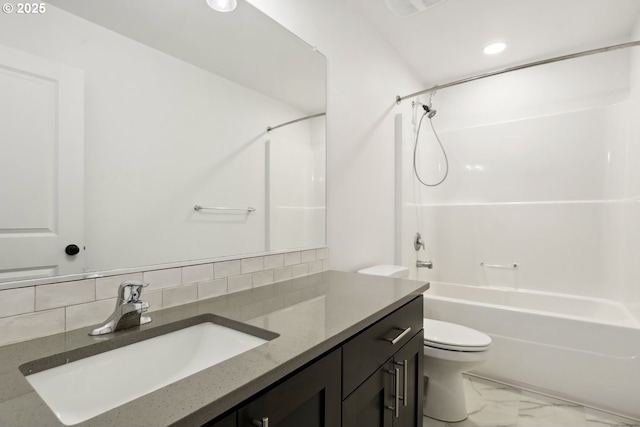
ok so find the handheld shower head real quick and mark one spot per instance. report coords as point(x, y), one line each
point(429, 111)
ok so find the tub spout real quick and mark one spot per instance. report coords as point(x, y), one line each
point(424, 264)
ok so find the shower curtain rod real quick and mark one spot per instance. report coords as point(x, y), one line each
point(270, 128)
point(520, 67)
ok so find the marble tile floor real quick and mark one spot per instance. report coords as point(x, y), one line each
point(492, 404)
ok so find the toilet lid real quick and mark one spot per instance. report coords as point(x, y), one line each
point(450, 336)
point(396, 271)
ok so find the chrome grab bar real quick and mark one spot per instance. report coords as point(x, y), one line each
point(199, 208)
point(513, 266)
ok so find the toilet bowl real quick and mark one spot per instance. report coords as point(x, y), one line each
point(449, 350)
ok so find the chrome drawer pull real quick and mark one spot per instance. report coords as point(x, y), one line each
point(264, 422)
point(399, 337)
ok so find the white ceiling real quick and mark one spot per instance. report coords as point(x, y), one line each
point(244, 46)
point(445, 42)
point(440, 44)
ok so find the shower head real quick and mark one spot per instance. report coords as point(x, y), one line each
point(427, 110)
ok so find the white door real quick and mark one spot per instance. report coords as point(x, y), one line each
point(41, 166)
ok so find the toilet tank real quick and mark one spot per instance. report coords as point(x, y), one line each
point(396, 271)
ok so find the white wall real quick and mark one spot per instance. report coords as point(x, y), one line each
point(296, 185)
point(161, 136)
point(631, 235)
point(364, 76)
point(539, 176)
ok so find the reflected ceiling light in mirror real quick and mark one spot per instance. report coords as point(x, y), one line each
point(222, 5)
point(404, 8)
point(494, 48)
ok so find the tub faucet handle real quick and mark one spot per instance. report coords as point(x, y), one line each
point(418, 242)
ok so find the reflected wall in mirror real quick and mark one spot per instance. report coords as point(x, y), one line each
point(118, 117)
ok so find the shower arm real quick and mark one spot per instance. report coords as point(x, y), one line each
point(520, 67)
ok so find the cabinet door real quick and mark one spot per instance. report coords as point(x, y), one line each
point(410, 361)
point(228, 421)
point(310, 398)
point(371, 403)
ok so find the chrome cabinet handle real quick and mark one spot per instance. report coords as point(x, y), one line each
point(264, 422)
point(405, 377)
point(396, 386)
point(397, 391)
point(405, 396)
point(406, 388)
point(399, 337)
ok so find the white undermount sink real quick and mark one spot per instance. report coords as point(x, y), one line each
point(88, 387)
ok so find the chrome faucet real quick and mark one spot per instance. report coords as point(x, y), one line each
point(129, 309)
point(424, 264)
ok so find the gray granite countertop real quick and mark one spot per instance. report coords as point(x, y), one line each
point(312, 315)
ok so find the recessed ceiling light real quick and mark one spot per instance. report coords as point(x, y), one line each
point(404, 8)
point(222, 5)
point(494, 48)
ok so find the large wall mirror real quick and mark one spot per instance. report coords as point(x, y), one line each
point(119, 117)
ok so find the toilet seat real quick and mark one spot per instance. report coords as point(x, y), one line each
point(449, 336)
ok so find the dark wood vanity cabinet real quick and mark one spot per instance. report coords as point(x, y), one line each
point(368, 405)
point(373, 379)
point(410, 360)
point(374, 402)
point(310, 398)
point(228, 421)
point(382, 389)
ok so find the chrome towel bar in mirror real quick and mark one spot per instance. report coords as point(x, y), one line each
point(199, 208)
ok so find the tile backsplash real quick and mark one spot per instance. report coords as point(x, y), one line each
point(41, 310)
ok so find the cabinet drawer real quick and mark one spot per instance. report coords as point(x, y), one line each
point(367, 351)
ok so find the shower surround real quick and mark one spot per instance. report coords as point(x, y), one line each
point(542, 175)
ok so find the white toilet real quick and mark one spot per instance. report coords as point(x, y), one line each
point(449, 350)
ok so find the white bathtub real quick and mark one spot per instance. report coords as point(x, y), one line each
point(582, 349)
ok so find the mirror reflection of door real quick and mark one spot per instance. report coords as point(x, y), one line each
point(41, 141)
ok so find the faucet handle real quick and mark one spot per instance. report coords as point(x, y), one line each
point(135, 290)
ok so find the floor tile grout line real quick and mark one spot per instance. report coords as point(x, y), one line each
point(550, 395)
point(548, 408)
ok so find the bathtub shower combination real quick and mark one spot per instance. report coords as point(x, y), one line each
point(583, 349)
point(535, 233)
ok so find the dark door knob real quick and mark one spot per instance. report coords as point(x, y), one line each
point(72, 250)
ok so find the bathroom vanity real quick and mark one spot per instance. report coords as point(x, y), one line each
point(348, 351)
